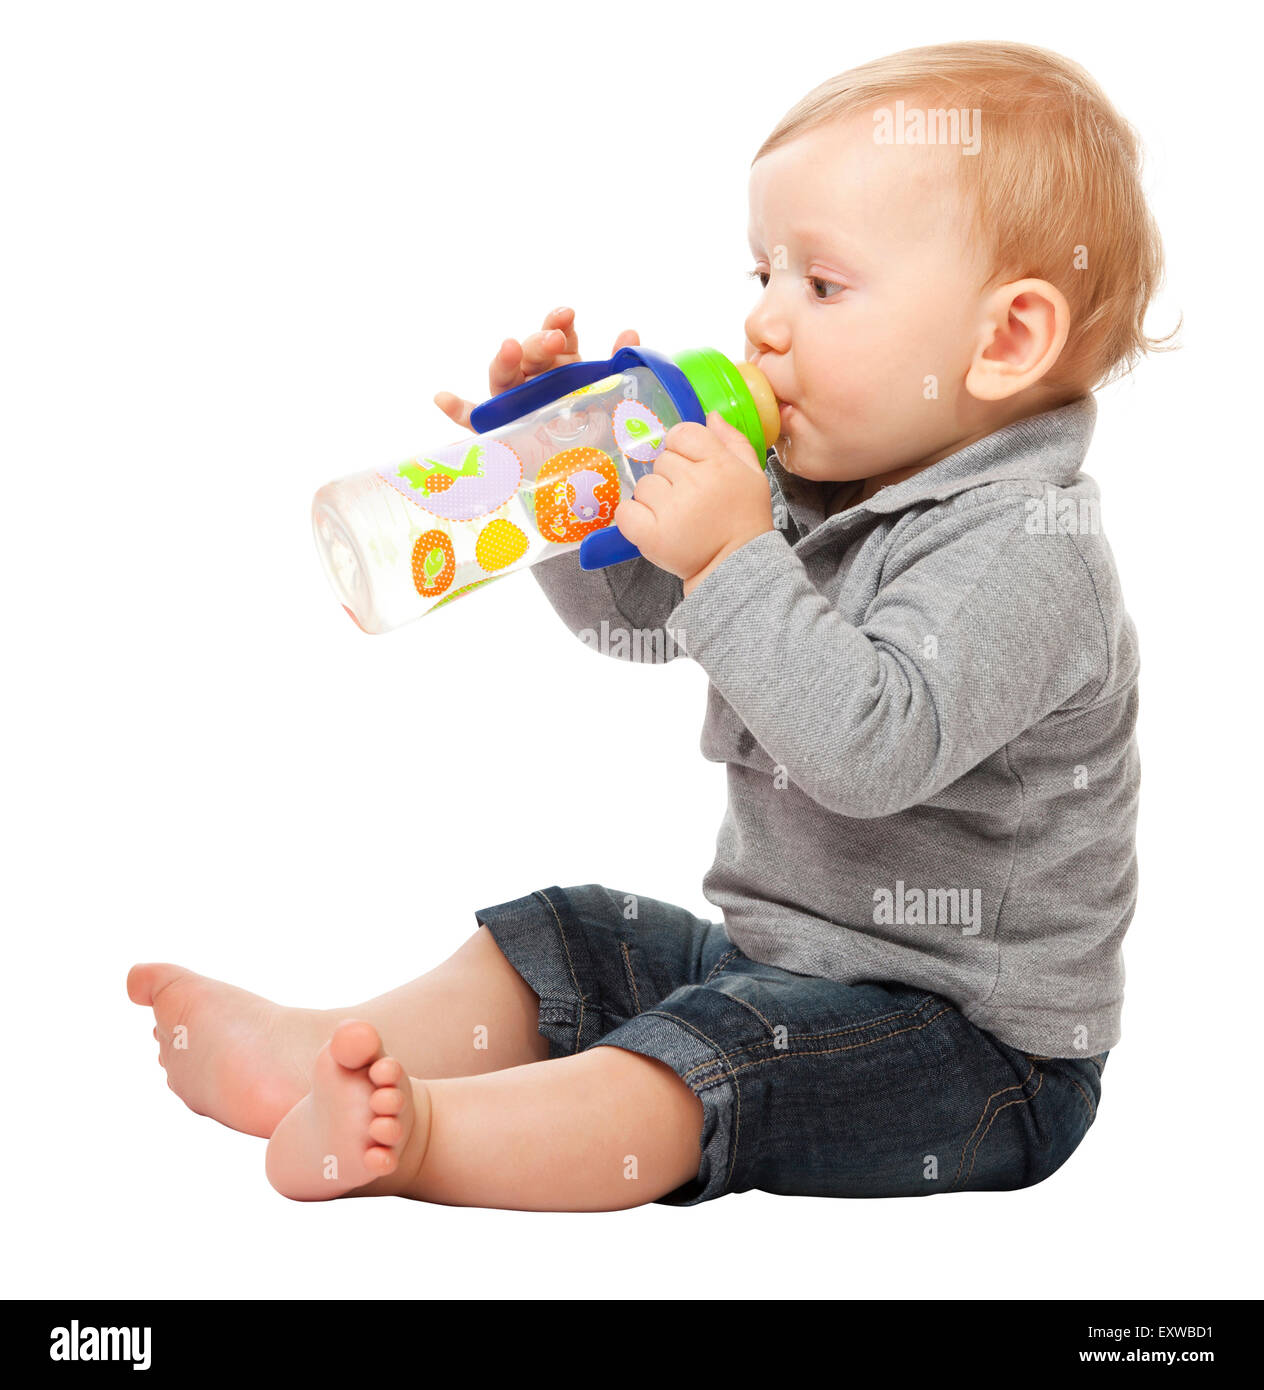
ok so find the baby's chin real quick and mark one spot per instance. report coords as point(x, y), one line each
point(810, 464)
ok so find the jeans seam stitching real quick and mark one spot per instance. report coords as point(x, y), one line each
point(1020, 1100)
point(983, 1116)
point(627, 965)
point(872, 1023)
point(737, 1090)
point(720, 964)
point(570, 965)
point(820, 1051)
point(1092, 1109)
point(986, 1105)
point(746, 1004)
point(840, 1032)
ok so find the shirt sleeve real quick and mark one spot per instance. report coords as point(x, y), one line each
point(620, 611)
point(976, 632)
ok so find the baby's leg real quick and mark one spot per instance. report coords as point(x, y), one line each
point(246, 1061)
point(598, 1131)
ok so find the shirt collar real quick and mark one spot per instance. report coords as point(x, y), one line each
point(1049, 447)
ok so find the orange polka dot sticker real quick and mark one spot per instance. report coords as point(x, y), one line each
point(500, 543)
point(434, 563)
point(576, 493)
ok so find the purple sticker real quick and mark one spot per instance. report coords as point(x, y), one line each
point(638, 432)
point(461, 481)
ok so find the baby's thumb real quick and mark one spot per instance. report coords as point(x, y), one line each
point(735, 441)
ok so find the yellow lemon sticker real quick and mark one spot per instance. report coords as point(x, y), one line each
point(500, 543)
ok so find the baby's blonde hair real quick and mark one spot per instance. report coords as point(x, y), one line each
point(1055, 189)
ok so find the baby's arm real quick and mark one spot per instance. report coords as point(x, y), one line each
point(977, 632)
point(621, 610)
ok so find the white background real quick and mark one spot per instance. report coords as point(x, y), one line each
point(243, 245)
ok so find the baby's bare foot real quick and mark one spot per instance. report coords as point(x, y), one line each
point(365, 1122)
point(240, 1059)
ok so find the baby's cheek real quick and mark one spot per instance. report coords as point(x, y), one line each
point(858, 402)
point(882, 386)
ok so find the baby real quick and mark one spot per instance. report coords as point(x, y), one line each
point(923, 684)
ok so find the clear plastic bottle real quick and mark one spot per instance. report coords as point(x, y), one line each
point(546, 470)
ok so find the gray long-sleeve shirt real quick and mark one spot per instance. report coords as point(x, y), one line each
point(926, 706)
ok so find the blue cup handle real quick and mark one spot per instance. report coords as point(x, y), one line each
point(609, 546)
point(541, 390)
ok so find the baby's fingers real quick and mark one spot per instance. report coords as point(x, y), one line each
point(456, 409)
point(636, 522)
point(505, 371)
point(563, 319)
point(553, 346)
point(543, 351)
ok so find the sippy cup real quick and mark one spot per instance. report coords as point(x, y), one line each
point(542, 474)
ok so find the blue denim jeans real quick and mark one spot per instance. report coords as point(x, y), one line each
point(808, 1086)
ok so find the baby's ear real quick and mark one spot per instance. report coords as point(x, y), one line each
point(734, 440)
point(1023, 329)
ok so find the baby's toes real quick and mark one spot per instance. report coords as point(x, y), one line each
point(354, 1044)
point(386, 1130)
point(381, 1162)
point(386, 1071)
point(387, 1100)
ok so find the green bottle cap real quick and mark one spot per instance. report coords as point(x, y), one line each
point(739, 392)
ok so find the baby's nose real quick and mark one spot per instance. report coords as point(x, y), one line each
point(766, 331)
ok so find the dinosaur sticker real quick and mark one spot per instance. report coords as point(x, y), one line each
point(433, 476)
point(461, 482)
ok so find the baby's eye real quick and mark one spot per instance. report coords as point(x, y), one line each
point(760, 275)
point(824, 289)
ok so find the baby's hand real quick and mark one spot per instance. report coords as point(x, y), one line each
point(706, 497)
point(553, 346)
